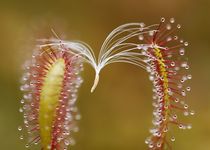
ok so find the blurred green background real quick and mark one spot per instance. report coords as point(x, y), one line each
point(118, 114)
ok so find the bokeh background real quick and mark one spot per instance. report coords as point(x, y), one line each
point(118, 114)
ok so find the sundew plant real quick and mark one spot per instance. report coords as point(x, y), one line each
point(52, 78)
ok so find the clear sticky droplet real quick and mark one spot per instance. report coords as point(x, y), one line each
point(189, 126)
point(173, 139)
point(186, 43)
point(27, 146)
point(172, 20)
point(182, 51)
point(188, 88)
point(158, 144)
point(192, 112)
point(168, 39)
point(20, 110)
point(19, 128)
point(141, 37)
point(21, 137)
point(189, 76)
point(162, 19)
point(168, 26)
point(175, 37)
point(186, 113)
point(186, 106)
point(173, 64)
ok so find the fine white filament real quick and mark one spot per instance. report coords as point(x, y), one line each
point(121, 45)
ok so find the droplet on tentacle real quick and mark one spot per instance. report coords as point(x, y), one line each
point(162, 19)
point(141, 37)
point(168, 26)
point(19, 128)
point(172, 20)
point(21, 137)
point(169, 39)
point(186, 44)
point(182, 51)
point(178, 26)
point(173, 139)
point(142, 25)
point(192, 112)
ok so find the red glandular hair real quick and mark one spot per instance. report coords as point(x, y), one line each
point(64, 120)
point(168, 71)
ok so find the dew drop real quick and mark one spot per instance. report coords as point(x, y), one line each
point(169, 55)
point(168, 26)
point(186, 113)
point(189, 126)
point(184, 64)
point(192, 112)
point(179, 85)
point(172, 20)
point(141, 37)
point(21, 137)
point(186, 43)
point(151, 78)
point(186, 106)
point(20, 110)
point(175, 37)
point(78, 117)
point(158, 144)
point(165, 129)
point(22, 101)
point(178, 26)
point(151, 33)
point(159, 134)
point(183, 93)
point(168, 39)
point(175, 117)
point(163, 19)
point(188, 88)
point(27, 145)
point(147, 141)
point(189, 76)
point(173, 63)
point(187, 67)
point(181, 126)
point(151, 145)
point(19, 128)
point(173, 139)
point(166, 107)
point(176, 100)
point(182, 51)
point(48, 147)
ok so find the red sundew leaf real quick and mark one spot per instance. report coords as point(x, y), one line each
point(168, 69)
point(50, 82)
point(160, 52)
